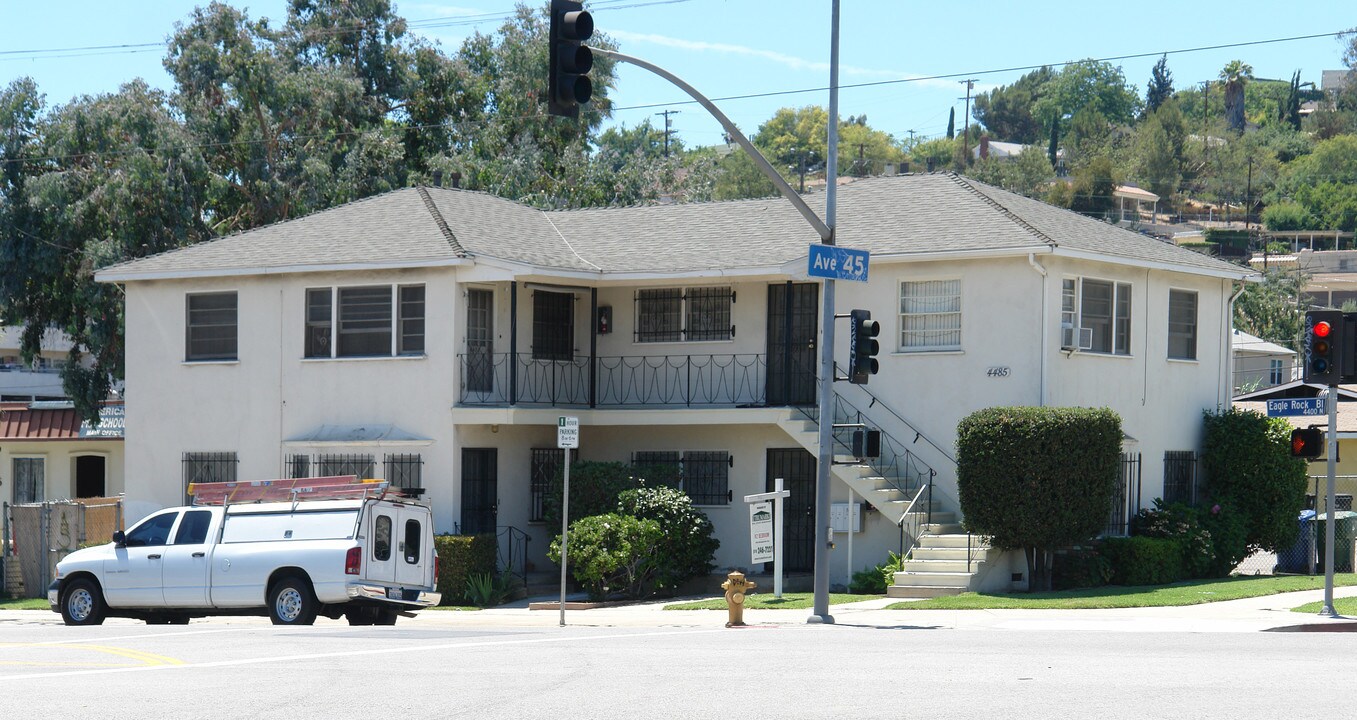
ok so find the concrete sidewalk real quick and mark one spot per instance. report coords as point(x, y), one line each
point(1270, 612)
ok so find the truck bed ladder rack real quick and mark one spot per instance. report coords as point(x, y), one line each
point(340, 487)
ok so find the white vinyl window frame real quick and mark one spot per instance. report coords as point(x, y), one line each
point(324, 326)
point(1182, 324)
point(1095, 315)
point(212, 327)
point(930, 315)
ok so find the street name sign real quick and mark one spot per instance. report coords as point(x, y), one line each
point(1296, 406)
point(838, 263)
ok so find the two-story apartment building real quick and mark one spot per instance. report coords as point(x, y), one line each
point(433, 336)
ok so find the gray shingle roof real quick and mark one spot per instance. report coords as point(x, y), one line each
point(892, 216)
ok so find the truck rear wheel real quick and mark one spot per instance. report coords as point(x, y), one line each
point(83, 603)
point(291, 602)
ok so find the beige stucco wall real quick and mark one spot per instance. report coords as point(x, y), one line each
point(59, 457)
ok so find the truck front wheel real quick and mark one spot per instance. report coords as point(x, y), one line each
point(291, 602)
point(83, 603)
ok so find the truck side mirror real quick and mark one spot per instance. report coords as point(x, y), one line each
point(119, 539)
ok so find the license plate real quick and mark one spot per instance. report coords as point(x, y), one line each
point(395, 593)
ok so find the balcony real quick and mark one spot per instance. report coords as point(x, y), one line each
point(632, 381)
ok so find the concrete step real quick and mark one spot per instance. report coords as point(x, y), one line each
point(924, 551)
point(929, 567)
point(953, 540)
point(941, 578)
point(910, 591)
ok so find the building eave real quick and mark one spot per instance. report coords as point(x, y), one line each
point(105, 276)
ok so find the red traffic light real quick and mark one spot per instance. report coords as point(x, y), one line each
point(1322, 329)
point(1307, 442)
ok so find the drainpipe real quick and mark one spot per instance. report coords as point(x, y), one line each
point(1226, 391)
point(1045, 328)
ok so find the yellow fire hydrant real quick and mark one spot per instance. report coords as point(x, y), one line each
point(736, 586)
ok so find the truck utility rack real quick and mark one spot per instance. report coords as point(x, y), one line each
point(340, 487)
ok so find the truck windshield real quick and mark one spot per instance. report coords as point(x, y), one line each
point(327, 525)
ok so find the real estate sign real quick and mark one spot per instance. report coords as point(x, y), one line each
point(761, 532)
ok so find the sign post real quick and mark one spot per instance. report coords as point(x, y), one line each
point(756, 501)
point(567, 437)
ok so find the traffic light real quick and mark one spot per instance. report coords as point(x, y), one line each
point(568, 84)
point(1307, 442)
point(862, 347)
point(1323, 347)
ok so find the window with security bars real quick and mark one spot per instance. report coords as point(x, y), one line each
point(360, 465)
point(297, 466)
point(658, 467)
point(930, 315)
point(684, 315)
point(404, 471)
point(28, 480)
point(206, 467)
point(1180, 476)
point(553, 326)
point(546, 464)
point(706, 477)
point(211, 327)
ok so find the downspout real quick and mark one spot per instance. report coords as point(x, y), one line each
point(1045, 329)
point(1227, 359)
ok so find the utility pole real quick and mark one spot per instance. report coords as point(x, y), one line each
point(862, 160)
point(666, 115)
point(966, 124)
point(1248, 198)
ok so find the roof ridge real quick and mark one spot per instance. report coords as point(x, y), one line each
point(438, 220)
point(1017, 220)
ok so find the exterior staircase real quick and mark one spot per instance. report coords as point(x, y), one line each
point(942, 559)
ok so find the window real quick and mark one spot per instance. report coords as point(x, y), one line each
point(703, 475)
point(205, 467)
point(1274, 373)
point(151, 532)
point(553, 326)
point(365, 320)
point(658, 467)
point(684, 315)
point(381, 538)
point(193, 528)
point(28, 480)
point(545, 467)
point(362, 466)
point(1182, 325)
point(403, 471)
point(1095, 315)
point(1180, 476)
point(211, 327)
point(412, 536)
point(930, 315)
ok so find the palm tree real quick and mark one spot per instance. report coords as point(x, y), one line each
point(1234, 75)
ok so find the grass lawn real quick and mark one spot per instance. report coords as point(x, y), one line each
point(766, 601)
point(25, 604)
point(1192, 592)
point(1343, 606)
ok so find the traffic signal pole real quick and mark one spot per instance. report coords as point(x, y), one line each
point(1331, 402)
point(825, 228)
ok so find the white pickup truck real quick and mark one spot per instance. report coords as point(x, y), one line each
point(368, 559)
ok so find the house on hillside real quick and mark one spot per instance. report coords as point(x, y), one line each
point(39, 380)
point(1259, 364)
point(434, 336)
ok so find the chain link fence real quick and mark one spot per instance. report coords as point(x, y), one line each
point(37, 536)
point(1306, 555)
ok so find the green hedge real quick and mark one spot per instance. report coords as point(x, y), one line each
point(1249, 468)
point(460, 557)
point(1144, 560)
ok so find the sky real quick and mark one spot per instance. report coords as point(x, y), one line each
point(908, 60)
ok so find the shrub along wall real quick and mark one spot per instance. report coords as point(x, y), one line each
point(460, 557)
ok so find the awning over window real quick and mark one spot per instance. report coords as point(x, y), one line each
point(369, 434)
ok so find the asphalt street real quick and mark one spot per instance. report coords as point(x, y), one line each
point(1221, 660)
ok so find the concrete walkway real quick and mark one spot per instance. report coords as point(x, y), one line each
point(1271, 612)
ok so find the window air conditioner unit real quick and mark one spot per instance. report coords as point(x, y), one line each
point(1067, 338)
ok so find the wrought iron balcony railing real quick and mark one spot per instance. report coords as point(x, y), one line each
point(615, 381)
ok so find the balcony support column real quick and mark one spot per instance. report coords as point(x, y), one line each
point(513, 343)
point(593, 346)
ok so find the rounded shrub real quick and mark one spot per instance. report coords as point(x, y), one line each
point(688, 543)
point(612, 554)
